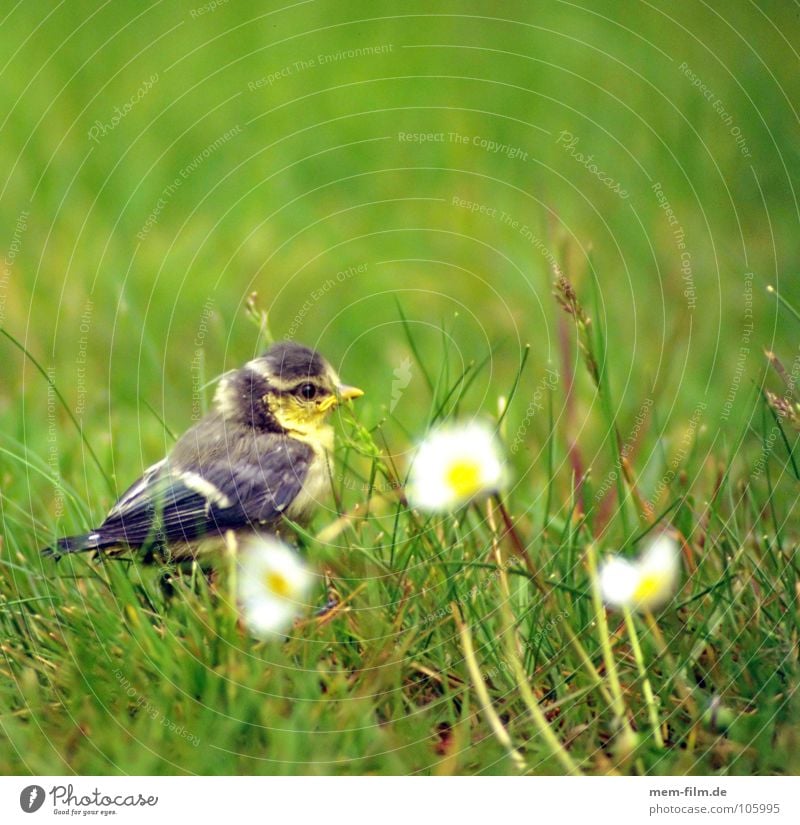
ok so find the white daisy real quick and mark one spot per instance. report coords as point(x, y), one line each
point(272, 584)
point(453, 465)
point(644, 583)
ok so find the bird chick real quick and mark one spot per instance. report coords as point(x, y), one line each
point(263, 453)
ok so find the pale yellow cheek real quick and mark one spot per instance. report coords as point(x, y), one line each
point(292, 414)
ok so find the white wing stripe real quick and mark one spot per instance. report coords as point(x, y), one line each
point(210, 492)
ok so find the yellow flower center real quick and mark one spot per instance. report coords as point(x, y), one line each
point(464, 477)
point(278, 584)
point(650, 587)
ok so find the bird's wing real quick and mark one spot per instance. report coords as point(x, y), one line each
point(135, 490)
point(183, 502)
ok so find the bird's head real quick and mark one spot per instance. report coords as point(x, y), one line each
point(290, 387)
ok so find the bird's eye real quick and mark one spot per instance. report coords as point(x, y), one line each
point(307, 391)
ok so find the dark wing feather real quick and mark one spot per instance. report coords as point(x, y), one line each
point(184, 502)
point(261, 492)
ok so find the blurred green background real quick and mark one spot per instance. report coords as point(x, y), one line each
point(162, 162)
point(287, 130)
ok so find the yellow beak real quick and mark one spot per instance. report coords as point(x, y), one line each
point(346, 393)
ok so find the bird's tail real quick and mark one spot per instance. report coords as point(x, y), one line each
point(73, 544)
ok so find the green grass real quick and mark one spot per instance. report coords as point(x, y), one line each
point(651, 411)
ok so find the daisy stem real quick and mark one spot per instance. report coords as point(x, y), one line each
point(539, 719)
point(548, 595)
point(681, 685)
point(650, 699)
point(618, 701)
point(232, 613)
point(231, 545)
point(501, 734)
point(587, 662)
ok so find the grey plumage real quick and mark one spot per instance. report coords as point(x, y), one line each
point(237, 469)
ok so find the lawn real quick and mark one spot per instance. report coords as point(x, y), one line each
point(574, 223)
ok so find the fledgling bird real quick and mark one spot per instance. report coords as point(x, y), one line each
point(263, 452)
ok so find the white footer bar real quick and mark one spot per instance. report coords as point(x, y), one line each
point(389, 800)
